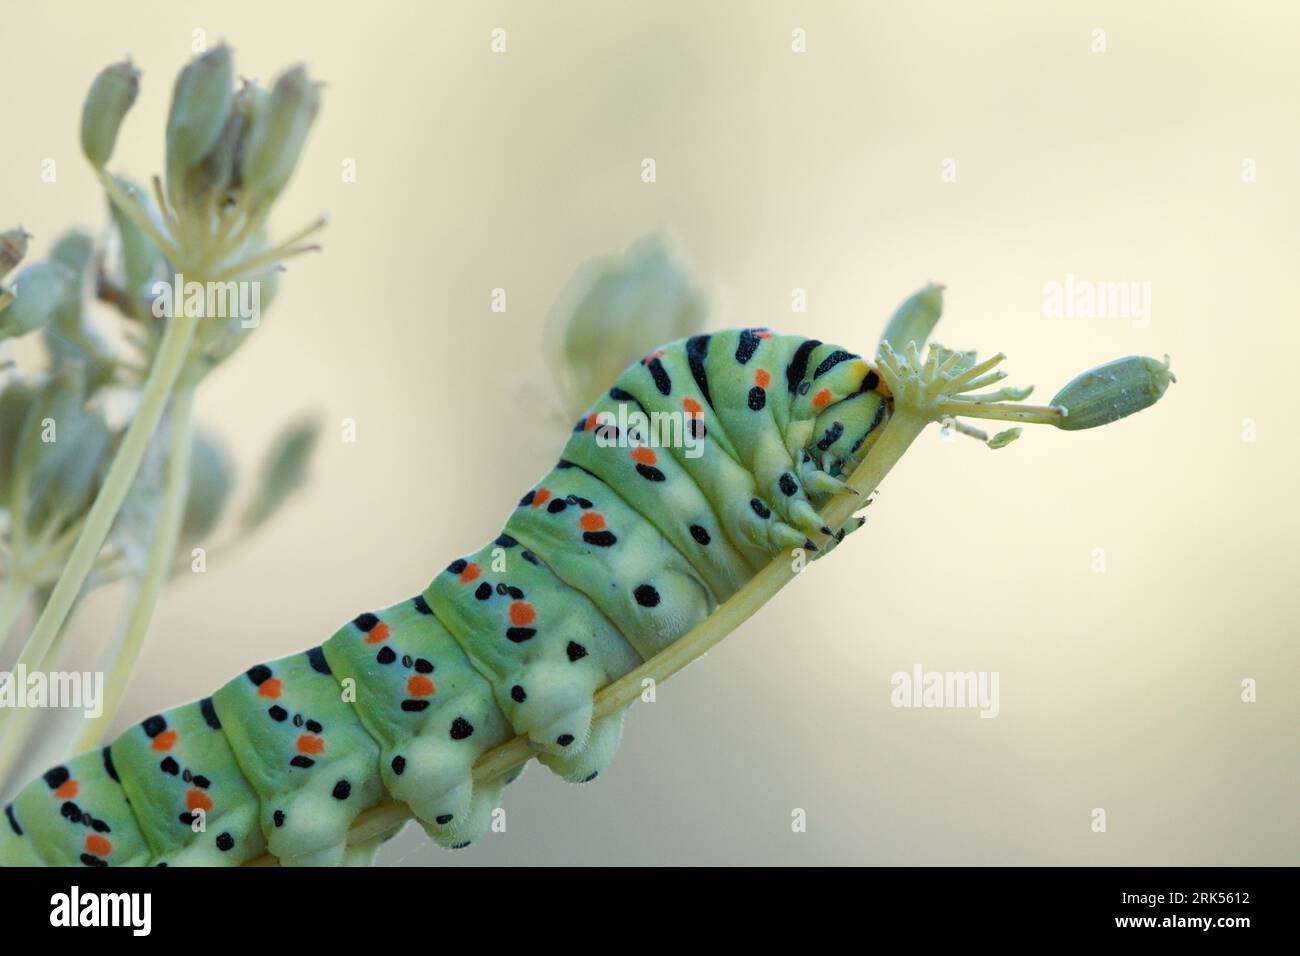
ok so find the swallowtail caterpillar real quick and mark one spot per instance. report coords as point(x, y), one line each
point(626, 560)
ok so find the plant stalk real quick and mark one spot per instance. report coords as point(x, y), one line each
point(172, 352)
point(158, 567)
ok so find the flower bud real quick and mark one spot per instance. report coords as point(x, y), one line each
point(201, 105)
point(211, 480)
point(64, 483)
point(74, 249)
point(1112, 391)
point(111, 95)
point(15, 399)
point(38, 291)
point(613, 312)
point(915, 319)
point(280, 126)
point(139, 259)
point(13, 246)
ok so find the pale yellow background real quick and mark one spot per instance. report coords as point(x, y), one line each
point(1120, 690)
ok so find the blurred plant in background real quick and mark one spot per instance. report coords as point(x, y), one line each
point(614, 312)
point(90, 494)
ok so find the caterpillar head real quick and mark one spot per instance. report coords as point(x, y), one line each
point(847, 403)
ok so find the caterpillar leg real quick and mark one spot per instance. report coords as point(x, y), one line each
point(429, 708)
point(301, 747)
point(584, 765)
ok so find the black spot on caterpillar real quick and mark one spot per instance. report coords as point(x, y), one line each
point(623, 547)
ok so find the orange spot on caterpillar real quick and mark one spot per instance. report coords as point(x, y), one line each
point(591, 422)
point(98, 845)
point(591, 521)
point(167, 739)
point(691, 406)
point(271, 687)
point(643, 456)
point(539, 498)
point(762, 334)
point(762, 379)
point(471, 572)
point(652, 356)
point(378, 633)
point(67, 790)
point(196, 799)
point(310, 744)
point(521, 613)
point(822, 398)
point(419, 686)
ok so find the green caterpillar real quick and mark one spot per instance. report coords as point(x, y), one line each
point(621, 549)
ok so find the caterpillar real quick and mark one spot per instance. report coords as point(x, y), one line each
point(621, 548)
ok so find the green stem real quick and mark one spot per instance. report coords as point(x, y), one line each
point(13, 598)
point(172, 351)
point(162, 552)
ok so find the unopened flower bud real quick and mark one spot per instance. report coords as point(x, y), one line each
point(615, 311)
point(1112, 391)
point(274, 143)
point(915, 319)
point(13, 246)
point(38, 291)
point(111, 95)
point(201, 105)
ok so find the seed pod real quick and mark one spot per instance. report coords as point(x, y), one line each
point(284, 471)
point(111, 96)
point(273, 144)
point(64, 484)
point(13, 246)
point(38, 292)
point(1112, 391)
point(201, 105)
point(15, 400)
point(141, 261)
point(211, 480)
point(74, 249)
point(614, 311)
point(915, 319)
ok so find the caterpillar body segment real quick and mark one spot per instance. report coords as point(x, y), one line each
point(77, 814)
point(191, 800)
point(429, 708)
point(621, 549)
point(305, 752)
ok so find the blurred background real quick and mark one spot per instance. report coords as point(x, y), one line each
point(997, 150)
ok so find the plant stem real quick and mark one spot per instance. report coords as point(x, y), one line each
point(902, 430)
point(162, 553)
point(13, 598)
point(172, 351)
